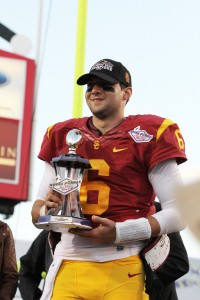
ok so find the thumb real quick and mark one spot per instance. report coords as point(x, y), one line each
point(99, 220)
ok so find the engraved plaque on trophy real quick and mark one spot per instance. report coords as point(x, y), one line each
point(69, 170)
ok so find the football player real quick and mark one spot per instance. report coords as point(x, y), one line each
point(133, 159)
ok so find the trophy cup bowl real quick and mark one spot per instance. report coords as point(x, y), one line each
point(69, 170)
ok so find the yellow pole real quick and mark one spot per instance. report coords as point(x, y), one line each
point(80, 56)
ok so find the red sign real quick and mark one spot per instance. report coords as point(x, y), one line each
point(16, 112)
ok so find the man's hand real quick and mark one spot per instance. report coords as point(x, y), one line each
point(104, 233)
point(52, 200)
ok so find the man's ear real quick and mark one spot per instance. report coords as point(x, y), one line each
point(127, 93)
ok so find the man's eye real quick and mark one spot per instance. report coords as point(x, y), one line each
point(89, 88)
point(108, 88)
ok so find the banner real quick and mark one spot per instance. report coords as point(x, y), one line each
point(17, 75)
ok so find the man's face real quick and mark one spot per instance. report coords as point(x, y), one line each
point(104, 98)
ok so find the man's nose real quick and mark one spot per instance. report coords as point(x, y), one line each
point(96, 88)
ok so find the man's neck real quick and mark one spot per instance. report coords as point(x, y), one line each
point(106, 125)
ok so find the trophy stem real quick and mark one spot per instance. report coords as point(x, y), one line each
point(71, 205)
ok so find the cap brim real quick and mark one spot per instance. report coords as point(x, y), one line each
point(84, 79)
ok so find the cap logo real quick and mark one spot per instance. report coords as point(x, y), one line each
point(102, 65)
point(127, 77)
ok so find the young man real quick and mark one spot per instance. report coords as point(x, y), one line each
point(8, 263)
point(37, 260)
point(132, 159)
point(160, 284)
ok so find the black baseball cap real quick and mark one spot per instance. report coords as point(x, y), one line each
point(109, 70)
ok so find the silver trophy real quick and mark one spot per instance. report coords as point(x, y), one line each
point(69, 169)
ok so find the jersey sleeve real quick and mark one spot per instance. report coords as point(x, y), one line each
point(168, 143)
point(44, 154)
point(53, 143)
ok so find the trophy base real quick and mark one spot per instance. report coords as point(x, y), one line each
point(62, 223)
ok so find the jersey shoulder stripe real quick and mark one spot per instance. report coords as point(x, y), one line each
point(166, 123)
point(48, 130)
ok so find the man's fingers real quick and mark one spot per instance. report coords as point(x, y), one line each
point(99, 220)
point(52, 200)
